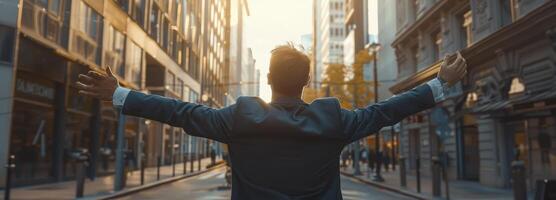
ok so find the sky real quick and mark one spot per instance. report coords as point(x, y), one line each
point(276, 22)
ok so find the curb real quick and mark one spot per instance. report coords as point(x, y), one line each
point(382, 186)
point(129, 191)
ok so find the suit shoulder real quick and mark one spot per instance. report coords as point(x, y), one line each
point(327, 102)
point(253, 99)
point(250, 101)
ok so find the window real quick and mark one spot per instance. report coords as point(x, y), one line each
point(436, 37)
point(170, 85)
point(134, 63)
point(466, 29)
point(87, 36)
point(164, 33)
point(114, 51)
point(124, 4)
point(154, 22)
point(185, 93)
point(138, 11)
point(54, 7)
point(507, 11)
point(415, 8)
point(46, 18)
point(179, 88)
point(175, 11)
point(193, 96)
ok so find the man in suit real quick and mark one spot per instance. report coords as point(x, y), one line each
point(285, 149)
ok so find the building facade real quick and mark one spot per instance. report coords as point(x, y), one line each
point(249, 76)
point(387, 67)
point(329, 34)
point(503, 111)
point(239, 51)
point(172, 48)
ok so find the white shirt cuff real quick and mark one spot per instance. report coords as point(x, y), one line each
point(438, 89)
point(119, 96)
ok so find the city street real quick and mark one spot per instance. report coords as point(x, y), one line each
point(210, 186)
point(147, 99)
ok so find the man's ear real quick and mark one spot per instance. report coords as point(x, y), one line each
point(308, 81)
point(268, 79)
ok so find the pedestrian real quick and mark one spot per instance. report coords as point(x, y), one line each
point(363, 155)
point(345, 156)
point(372, 159)
point(386, 162)
point(352, 153)
point(285, 149)
point(379, 159)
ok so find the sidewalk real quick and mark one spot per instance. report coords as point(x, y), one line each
point(458, 189)
point(100, 186)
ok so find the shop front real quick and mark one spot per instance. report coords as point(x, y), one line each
point(32, 136)
point(37, 114)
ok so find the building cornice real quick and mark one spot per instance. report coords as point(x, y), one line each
point(530, 27)
point(419, 22)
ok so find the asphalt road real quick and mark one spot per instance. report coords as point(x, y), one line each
point(210, 186)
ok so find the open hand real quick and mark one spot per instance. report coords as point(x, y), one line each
point(98, 85)
point(452, 73)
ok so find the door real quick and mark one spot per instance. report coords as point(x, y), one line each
point(470, 153)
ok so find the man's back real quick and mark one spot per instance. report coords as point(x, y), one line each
point(287, 148)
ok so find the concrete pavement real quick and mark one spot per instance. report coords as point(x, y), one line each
point(100, 187)
point(211, 186)
point(458, 189)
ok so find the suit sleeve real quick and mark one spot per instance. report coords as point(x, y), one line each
point(360, 123)
point(195, 119)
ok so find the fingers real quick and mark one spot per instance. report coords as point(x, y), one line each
point(86, 79)
point(445, 61)
point(96, 75)
point(459, 60)
point(109, 72)
point(90, 94)
point(82, 86)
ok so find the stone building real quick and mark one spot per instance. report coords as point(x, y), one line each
point(503, 110)
point(154, 46)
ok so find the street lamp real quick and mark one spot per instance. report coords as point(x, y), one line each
point(373, 48)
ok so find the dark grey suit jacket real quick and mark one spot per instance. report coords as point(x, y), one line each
point(286, 149)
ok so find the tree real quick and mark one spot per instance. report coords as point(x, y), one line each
point(334, 84)
point(359, 89)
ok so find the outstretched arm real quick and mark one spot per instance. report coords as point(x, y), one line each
point(195, 119)
point(360, 123)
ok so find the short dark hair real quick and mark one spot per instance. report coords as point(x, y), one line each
point(289, 69)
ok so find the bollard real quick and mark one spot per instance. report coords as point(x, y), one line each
point(158, 163)
point(518, 180)
point(9, 167)
point(436, 176)
point(403, 178)
point(199, 162)
point(142, 170)
point(418, 172)
point(174, 165)
point(444, 167)
point(184, 164)
point(80, 179)
point(191, 162)
point(81, 156)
